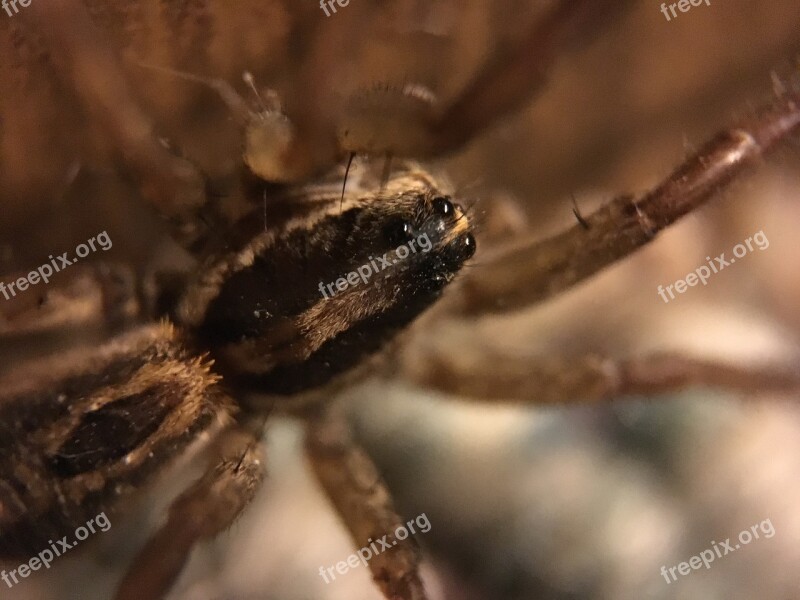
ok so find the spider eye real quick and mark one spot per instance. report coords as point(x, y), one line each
point(468, 244)
point(442, 206)
point(399, 232)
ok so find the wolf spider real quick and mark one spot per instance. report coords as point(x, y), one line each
point(248, 334)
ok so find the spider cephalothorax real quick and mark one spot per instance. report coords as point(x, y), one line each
point(271, 310)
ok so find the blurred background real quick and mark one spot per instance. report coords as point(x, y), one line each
point(524, 502)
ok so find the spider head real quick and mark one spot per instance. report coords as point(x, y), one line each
point(426, 238)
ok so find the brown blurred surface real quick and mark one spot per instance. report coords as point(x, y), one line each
point(546, 504)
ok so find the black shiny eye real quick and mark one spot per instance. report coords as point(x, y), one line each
point(468, 246)
point(399, 232)
point(442, 206)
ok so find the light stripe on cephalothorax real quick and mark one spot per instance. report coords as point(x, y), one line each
point(307, 207)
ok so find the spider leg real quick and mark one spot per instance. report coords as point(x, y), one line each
point(207, 508)
point(494, 375)
point(529, 271)
point(512, 76)
point(360, 496)
point(91, 303)
point(93, 295)
point(409, 121)
point(405, 120)
point(171, 184)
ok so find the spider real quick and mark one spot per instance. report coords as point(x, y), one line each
point(249, 335)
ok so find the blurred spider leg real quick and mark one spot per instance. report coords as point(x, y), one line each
point(356, 489)
point(514, 75)
point(171, 184)
point(232, 100)
point(499, 376)
point(525, 272)
point(101, 295)
point(206, 509)
point(409, 120)
point(313, 111)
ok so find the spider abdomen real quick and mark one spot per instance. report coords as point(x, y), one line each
point(82, 431)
